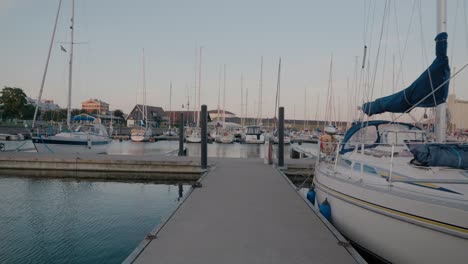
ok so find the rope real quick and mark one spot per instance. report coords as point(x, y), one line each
point(47, 147)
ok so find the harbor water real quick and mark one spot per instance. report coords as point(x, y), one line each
point(68, 221)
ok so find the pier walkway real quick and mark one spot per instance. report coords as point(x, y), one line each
point(245, 212)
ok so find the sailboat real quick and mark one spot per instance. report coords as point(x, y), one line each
point(225, 135)
point(194, 133)
point(143, 132)
point(84, 136)
point(287, 138)
point(170, 132)
point(389, 189)
point(254, 133)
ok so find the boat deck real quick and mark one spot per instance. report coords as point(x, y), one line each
point(245, 212)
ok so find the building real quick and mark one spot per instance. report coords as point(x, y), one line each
point(155, 115)
point(457, 110)
point(96, 106)
point(45, 104)
point(190, 117)
point(214, 114)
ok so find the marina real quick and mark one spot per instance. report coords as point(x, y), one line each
point(338, 135)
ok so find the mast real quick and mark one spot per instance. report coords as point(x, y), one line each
point(199, 86)
point(144, 88)
point(195, 107)
point(260, 93)
point(247, 102)
point(39, 97)
point(242, 100)
point(441, 110)
point(72, 20)
point(170, 104)
point(278, 85)
point(305, 108)
point(219, 95)
point(224, 97)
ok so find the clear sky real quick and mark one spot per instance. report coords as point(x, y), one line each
point(236, 33)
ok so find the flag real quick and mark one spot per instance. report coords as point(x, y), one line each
point(62, 48)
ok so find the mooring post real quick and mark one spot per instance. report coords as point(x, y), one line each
point(181, 135)
point(281, 137)
point(204, 138)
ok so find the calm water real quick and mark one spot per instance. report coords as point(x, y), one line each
point(64, 221)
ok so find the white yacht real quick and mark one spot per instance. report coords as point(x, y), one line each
point(141, 134)
point(83, 138)
point(254, 135)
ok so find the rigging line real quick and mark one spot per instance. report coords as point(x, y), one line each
point(435, 90)
point(454, 31)
point(466, 23)
point(400, 71)
point(384, 63)
point(398, 40)
point(424, 52)
point(378, 52)
point(421, 35)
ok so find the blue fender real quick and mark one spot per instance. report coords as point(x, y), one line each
point(311, 195)
point(325, 209)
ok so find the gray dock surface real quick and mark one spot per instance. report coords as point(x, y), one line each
point(245, 212)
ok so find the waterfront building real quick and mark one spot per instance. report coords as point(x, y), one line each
point(95, 105)
point(155, 115)
point(457, 109)
point(214, 114)
point(45, 104)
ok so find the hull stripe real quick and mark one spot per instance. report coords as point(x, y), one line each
point(415, 218)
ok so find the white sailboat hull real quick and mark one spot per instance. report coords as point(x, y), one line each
point(141, 135)
point(56, 144)
point(398, 229)
point(253, 139)
point(228, 139)
point(193, 139)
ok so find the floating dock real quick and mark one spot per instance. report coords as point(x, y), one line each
point(244, 212)
point(96, 166)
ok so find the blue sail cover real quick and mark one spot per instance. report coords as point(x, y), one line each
point(400, 102)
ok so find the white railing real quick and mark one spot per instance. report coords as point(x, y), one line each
point(333, 159)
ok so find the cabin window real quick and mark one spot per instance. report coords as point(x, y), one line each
point(357, 166)
point(345, 163)
point(370, 169)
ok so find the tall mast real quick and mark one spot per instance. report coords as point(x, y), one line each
point(170, 104)
point(195, 107)
point(441, 110)
point(199, 86)
point(247, 102)
point(278, 85)
point(242, 100)
point(224, 97)
point(305, 108)
point(260, 93)
point(145, 116)
point(72, 20)
point(39, 97)
point(219, 94)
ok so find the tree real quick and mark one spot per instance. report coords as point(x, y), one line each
point(13, 101)
point(28, 112)
point(119, 113)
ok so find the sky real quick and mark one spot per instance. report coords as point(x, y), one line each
point(306, 34)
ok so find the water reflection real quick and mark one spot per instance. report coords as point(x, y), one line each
point(142, 148)
point(234, 150)
point(65, 221)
